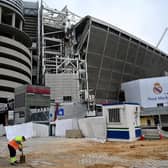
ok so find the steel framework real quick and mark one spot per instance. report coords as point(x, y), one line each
point(59, 54)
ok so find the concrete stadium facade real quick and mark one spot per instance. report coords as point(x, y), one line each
point(102, 56)
point(15, 56)
point(82, 61)
point(114, 56)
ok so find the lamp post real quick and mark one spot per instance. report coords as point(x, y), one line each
point(160, 122)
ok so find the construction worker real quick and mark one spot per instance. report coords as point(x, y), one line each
point(13, 145)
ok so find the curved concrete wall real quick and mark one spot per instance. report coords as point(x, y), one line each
point(15, 5)
point(10, 43)
point(18, 67)
point(9, 83)
point(15, 57)
point(17, 75)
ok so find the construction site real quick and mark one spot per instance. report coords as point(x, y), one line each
point(84, 153)
point(81, 91)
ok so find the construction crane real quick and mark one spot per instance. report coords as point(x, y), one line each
point(166, 29)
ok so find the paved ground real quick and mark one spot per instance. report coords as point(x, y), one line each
point(82, 153)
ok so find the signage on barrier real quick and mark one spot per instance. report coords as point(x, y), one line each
point(61, 112)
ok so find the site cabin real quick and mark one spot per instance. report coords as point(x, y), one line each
point(123, 122)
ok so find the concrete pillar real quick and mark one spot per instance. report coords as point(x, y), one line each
point(21, 25)
point(6, 119)
point(0, 15)
point(13, 19)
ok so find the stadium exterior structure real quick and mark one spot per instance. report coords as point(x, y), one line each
point(88, 59)
point(15, 57)
point(114, 56)
point(80, 59)
point(32, 29)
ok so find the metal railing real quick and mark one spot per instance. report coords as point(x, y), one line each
point(154, 111)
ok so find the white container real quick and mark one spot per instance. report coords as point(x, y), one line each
point(147, 92)
point(122, 122)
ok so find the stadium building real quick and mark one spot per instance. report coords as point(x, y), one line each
point(15, 57)
point(114, 56)
point(86, 58)
point(81, 60)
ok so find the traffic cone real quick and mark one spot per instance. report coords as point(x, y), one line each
point(142, 137)
point(161, 136)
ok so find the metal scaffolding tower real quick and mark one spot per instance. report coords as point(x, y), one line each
point(59, 54)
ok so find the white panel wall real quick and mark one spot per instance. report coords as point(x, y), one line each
point(147, 92)
point(154, 91)
point(93, 127)
point(63, 125)
point(40, 130)
point(27, 129)
point(132, 91)
point(19, 130)
point(63, 85)
point(73, 110)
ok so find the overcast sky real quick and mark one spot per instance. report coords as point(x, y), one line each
point(146, 19)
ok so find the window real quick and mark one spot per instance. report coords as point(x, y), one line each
point(21, 114)
point(160, 105)
point(20, 100)
point(136, 109)
point(67, 98)
point(148, 122)
point(114, 115)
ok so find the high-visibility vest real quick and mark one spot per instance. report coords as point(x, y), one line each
point(16, 143)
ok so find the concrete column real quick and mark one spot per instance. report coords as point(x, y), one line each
point(6, 119)
point(21, 25)
point(0, 15)
point(13, 19)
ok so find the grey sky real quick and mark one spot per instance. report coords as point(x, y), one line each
point(146, 19)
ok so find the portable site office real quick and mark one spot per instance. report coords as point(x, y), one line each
point(122, 121)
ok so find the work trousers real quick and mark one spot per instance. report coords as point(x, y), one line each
point(12, 152)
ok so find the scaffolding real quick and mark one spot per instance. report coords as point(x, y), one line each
point(60, 53)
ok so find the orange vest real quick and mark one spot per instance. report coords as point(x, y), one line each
point(14, 144)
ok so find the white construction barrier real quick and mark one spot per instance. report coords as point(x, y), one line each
point(20, 129)
point(2, 130)
point(63, 125)
point(27, 129)
point(93, 127)
point(40, 130)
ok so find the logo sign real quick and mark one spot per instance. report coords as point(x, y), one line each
point(61, 112)
point(157, 88)
point(50, 115)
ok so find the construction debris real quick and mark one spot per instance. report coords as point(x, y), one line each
point(73, 133)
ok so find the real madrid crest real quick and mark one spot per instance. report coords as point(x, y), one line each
point(157, 88)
